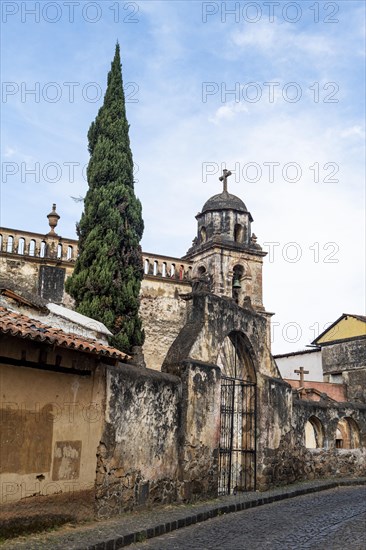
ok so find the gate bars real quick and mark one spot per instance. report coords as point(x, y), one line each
point(237, 436)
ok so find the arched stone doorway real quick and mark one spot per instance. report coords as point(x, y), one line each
point(237, 461)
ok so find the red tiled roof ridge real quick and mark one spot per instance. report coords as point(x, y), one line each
point(20, 325)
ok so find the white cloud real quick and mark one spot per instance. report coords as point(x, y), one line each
point(9, 152)
point(353, 131)
point(228, 111)
point(275, 37)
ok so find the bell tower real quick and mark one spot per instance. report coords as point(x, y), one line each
point(225, 251)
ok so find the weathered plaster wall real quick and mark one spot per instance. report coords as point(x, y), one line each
point(51, 424)
point(139, 449)
point(346, 355)
point(274, 414)
point(355, 381)
point(349, 358)
point(24, 272)
point(200, 430)
point(210, 320)
point(163, 315)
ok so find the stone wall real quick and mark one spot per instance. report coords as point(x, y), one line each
point(37, 276)
point(355, 381)
point(160, 442)
point(344, 355)
point(163, 314)
point(138, 453)
point(349, 358)
point(210, 319)
point(220, 264)
point(291, 461)
point(200, 430)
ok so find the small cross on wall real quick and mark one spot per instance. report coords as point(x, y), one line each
point(301, 371)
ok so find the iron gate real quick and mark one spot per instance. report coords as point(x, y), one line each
point(237, 436)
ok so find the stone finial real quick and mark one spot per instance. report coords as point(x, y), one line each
point(254, 238)
point(53, 218)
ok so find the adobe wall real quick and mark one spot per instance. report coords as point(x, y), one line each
point(338, 392)
point(51, 423)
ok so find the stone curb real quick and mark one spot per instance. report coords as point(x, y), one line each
point(124, 530)
point(216, 510)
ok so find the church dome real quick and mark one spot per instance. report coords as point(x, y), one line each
point(224, 201)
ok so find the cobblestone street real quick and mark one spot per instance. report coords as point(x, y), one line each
point(331, 520)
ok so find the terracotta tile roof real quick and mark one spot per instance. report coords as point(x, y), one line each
point(22, 326)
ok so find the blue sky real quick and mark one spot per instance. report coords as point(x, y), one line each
point(206, 89)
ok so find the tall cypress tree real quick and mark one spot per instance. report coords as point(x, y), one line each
point(108, 271)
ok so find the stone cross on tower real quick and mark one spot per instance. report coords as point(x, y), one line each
point(301, 371)
point(223, 178)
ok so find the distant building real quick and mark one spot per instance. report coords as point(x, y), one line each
point(310, 359)
point(338, 357)
point(343, 350)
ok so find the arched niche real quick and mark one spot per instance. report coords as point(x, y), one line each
point(70, 252)
point(201, 271)
point(10, 244)
point(43, 249)
point(32, 247)
point(314, 433)
point(237, 283)
point(239, 233)
point(347, 434)
point(21, 246)
point(203, 234)
point(146, 266)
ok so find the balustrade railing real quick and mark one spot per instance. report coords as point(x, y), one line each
point(55, 248)
point(34, 245)
point(166, 267)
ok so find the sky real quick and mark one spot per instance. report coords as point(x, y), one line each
point(273, 91)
